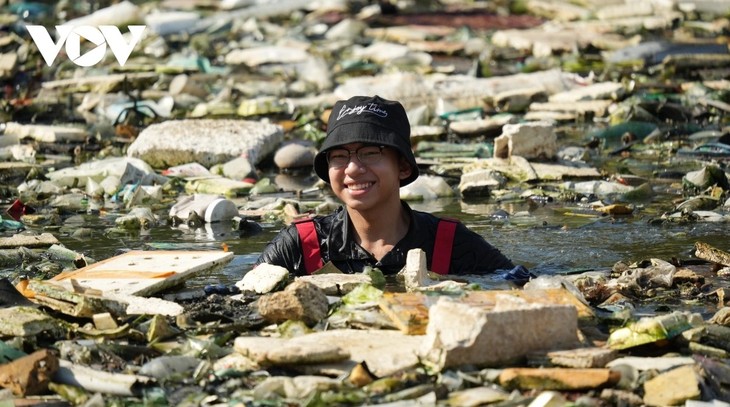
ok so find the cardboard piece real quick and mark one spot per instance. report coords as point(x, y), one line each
point(409, 311)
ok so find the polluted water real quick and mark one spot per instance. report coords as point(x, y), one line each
point(150, 151)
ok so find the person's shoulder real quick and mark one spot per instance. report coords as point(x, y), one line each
point(431, 217)
point(327, 219)
point(425, 218)
point(460, 229)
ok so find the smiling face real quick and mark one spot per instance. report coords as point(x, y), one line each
point(368, 187)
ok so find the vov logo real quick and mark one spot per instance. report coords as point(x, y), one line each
point(99, 36)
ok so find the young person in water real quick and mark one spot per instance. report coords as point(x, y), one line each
point(366, 158)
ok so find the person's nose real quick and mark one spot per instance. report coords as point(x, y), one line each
point(354, 165)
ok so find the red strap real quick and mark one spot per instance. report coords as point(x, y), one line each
point(442, 246)
point(310, 245)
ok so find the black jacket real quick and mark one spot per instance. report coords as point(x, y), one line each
point(470, 254)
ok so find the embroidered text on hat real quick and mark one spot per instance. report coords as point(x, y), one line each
point(373, 108)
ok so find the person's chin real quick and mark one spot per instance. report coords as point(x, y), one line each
point(361, 202)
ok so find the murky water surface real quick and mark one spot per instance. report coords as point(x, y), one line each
point(548, 238)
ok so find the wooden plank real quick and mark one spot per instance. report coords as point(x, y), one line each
point(122, 274)
point(409, 311)
point(72, 303)
point(144, 272)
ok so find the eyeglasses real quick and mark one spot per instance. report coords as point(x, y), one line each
point(367, 155)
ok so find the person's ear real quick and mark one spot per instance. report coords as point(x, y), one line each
point(404, 168)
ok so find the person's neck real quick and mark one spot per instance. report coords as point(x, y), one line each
point(378, 231)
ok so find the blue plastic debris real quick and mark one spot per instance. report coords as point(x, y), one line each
point(221, 289)
point(519, 275)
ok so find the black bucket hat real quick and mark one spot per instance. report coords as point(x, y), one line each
point(371, 120)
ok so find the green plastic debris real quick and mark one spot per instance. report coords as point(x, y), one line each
point(9, 224)
point(9, 353)
point(466, 114)
point(28, 321)
point(435, 149)
point(263, 186)
point(649, 330)
point(611, 137)
point(206, 348)
point(357, 67)
point(362, 294)
point(260, 106)
point(332, 397)
point(292, 329)
point(73, 394)
point(384, 386)
point(377, 278)
point(695, 181)
point(642, 192)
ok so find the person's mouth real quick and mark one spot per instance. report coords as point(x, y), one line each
point(360, 186)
